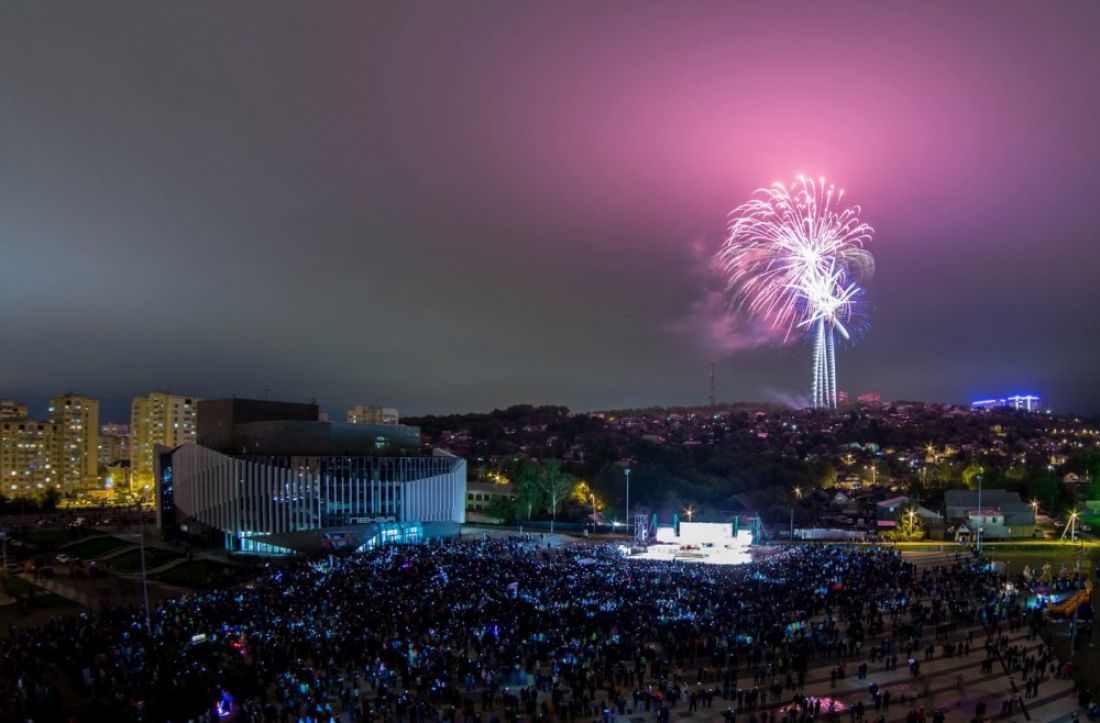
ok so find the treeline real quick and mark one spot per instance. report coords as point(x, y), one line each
point(663, 480)
point(45, 502)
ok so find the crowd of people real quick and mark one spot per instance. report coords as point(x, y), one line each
point(488, 630)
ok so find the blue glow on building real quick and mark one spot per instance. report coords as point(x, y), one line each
point(1021, 402)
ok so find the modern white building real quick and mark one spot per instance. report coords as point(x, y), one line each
point(271, 477)
point(259, 503)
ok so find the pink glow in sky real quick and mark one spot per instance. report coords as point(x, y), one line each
point(522, 184)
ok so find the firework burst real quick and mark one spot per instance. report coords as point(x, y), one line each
point(795, 257)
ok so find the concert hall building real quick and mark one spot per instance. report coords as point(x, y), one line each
point(273, 477)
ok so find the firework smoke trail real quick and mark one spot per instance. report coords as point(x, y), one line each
point(794, 257)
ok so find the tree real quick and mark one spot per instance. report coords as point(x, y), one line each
point(1092, 469)
point(556, 484)
point(586, 498)
point(911, 525)
point(502, 508)
point(528, 489)
point(50, 499)
point(1047, 488)
point(825, 474)
point(970, 475)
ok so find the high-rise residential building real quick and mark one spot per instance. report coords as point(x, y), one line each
point(29, 456)
point(1020, 402)
point(77, 420)
point(372, 415)
point(160, 418)
point(12, 410)
point(114, 443)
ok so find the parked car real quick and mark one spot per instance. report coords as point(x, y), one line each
point(64, 559)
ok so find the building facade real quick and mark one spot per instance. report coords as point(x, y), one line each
point(114, 443)
point(1019, 402)
point(482, 499)
point(278, 503)
point(1002, 514)
point(10, 409)
point(163, 419)
point(372, 415)
point(77, 421)
point(29, 456)
point(272, 477)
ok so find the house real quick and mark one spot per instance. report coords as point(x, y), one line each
point(890, 510)
point(479, 498)
point(1002, 514)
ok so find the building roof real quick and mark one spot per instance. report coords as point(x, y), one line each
point(969, 498)
point(965, 502)
point(894, 501)
point(484, 486)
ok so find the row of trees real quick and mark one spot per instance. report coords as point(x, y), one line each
point(664, 479)
point(45, 502)
point(537, 488)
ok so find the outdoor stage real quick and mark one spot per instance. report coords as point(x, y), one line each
point(711, 543)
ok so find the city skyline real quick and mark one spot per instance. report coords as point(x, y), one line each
point(442, 208)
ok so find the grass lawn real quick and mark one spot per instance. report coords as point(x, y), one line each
point(131, 561)
point(203, 574)
point(96, 546)
point(1055, 555)
point(50, 539)
point(38, 599)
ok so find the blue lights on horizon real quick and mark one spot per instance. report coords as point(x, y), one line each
point(1026, 402)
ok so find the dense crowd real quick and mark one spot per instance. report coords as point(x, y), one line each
point(503, 629)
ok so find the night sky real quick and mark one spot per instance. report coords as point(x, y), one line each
point(460, 205)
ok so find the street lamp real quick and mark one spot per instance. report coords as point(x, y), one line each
point(144, 581)
point(628, 523)
point(1071, 527)
point(981, 514)
point(798, 492)
point(689, 512)
point(912, 515)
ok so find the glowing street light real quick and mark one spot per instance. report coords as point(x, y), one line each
point(798, 492)
point(1071, 528)
point(874, 474)
point(689, 512)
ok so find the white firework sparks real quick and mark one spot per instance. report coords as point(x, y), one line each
point(794, 257)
